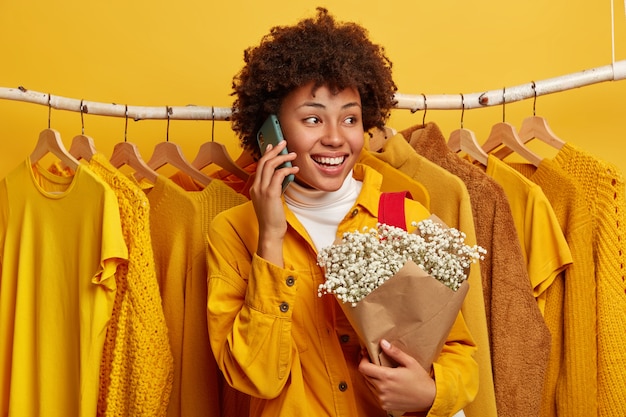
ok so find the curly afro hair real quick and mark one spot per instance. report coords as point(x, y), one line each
point(319, 50)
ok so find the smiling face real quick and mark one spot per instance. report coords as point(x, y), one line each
point(325, 130)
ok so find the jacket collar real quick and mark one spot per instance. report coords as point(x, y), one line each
point(372, 183)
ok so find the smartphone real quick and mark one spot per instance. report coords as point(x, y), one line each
point(270, 132)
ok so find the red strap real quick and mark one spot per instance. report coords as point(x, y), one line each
point(391, 208)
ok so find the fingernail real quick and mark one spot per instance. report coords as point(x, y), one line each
point(385, 343)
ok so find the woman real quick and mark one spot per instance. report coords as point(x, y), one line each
point(293, 352)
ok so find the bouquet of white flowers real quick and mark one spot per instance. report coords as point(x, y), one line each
point(424, 276)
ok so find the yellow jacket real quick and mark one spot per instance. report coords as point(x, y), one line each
point(292, 351)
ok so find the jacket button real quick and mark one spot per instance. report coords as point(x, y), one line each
point(284, 307)
point(344, 338)
point(290, 281)
point(354, 212)
point(343, 386)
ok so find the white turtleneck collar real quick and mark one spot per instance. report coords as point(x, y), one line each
point(321, 211)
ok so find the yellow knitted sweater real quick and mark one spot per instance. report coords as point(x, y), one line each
point(136, 371)
point(179, 224)
point(603, 187)
point(570, 388)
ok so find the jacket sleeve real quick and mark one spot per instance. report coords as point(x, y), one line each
point(456, 372)
point(249, 312)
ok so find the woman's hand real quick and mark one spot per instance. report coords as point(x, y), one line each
point(265, 194)
point(407, 387)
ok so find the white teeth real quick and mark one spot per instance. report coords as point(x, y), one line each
point(329, 161)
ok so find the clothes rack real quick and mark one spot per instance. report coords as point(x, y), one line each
point(612, 72)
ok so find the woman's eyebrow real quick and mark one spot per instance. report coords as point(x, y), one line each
point(312, 104)
point(322, 106)
point(352, 104)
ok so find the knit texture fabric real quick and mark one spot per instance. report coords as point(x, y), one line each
point(520, 339)
point(180, 222)
point(602, 185)
point(571, 382)
point(136, 371)
point(233, 403)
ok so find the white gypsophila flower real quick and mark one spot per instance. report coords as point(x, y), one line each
point(365, 260)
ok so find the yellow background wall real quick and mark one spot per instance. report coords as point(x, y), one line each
point(158, 53)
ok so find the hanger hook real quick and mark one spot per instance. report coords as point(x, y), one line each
point(425, 110)
point(463, 109)
point(126, 122)
point(534, 86)
point(49, 109)
point(82, 121)
point(212, 124)
point(503, 103)
point(168, 111)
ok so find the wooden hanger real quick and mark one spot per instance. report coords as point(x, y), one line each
point(535, 127)
point(127, 153)
point(245, 159)
point(465, 140)
point(216, 153)
point(379, 136)
point(82, 146)
point(170, 153)
point(504, 133)
point(50, 142)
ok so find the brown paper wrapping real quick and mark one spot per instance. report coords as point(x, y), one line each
point(411, 310)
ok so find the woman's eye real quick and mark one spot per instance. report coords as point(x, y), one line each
point(311, 120)
point(351, 120)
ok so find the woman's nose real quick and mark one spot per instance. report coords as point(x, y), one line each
point(332, 136)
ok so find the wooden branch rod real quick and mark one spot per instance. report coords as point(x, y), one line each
point(413, 102)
